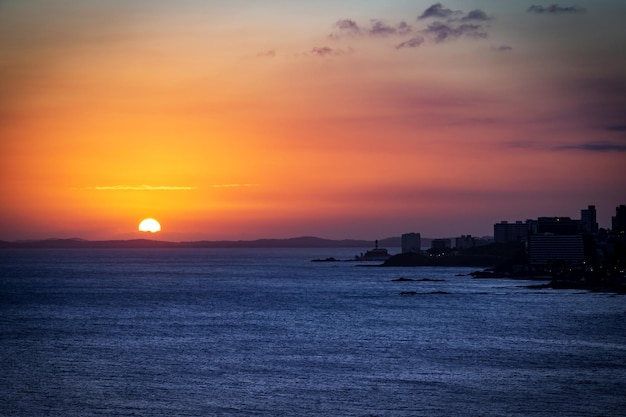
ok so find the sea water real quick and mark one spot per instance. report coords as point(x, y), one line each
point(267, 332)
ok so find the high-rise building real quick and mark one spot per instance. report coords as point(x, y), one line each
point(588, 221)
point(411, 242)
point(551, 249)
point(510, 232)
point(558, 225)
point(618, 223)
point(441, 244)
point(464, 242)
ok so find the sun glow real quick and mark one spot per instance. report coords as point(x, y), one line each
point(149, 225)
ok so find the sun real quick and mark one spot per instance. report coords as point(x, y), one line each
point(149, 225)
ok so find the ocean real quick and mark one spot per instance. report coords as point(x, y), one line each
point(267, 332)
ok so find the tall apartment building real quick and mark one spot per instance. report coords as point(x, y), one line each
point(411, 242)
point(618, 223)
point(588, 221)
point(549, 249)
point(558, 226)
point(504, 232)
point(464, 242)
point(441, 244)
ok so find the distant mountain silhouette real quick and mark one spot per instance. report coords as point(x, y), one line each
point(296, 242)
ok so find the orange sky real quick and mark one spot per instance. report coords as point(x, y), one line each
point(230, 120)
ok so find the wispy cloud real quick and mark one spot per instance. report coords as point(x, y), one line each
point(448, 25)
point(140, 188)
point(266, 54)
point(477, 15)
point(377, 27)
point(325, 51)
point(411, 43)
point(234, 185)
point(554, 9)
point(348, 26)
point(380, 28)
point(502, 48)
point(440, 32)
point(437, 11)
point(597, 146)
point(457, 23)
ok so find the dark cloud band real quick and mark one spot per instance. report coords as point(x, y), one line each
point(554, 9)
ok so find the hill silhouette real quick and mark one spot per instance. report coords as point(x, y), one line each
point(296, 242)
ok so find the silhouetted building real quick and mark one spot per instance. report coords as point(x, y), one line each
point(481, 241)
point(464, 242)
point(441, 244)
point(557, 226)
point(411, 243)
point(549, 249)
point(618, 223)
point(510, 232)
point(376, 254)
point(588, 221)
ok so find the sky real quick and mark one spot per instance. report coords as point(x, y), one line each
point(232, 119)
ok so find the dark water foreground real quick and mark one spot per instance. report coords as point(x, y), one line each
point(185, 332)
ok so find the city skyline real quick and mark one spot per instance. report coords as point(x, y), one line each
point(501, 232)
point(343, 119)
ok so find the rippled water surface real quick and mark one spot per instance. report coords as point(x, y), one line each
point(269, 333)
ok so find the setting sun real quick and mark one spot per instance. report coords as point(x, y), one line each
point(149, 225)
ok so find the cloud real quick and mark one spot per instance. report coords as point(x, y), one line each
point(590, 146)
point(441, 32)
point(554, 9)
point(453, 24)
point(140, 188)
point(437, 11)
point(267, 54)
point(233, 185)
point(476, 15)
point(502, 48)
point(411, 43)
point(380, 28)
point(597, 146)
point(457, 24)
point(348, 26)
point(404, 28)
point(324, 51)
